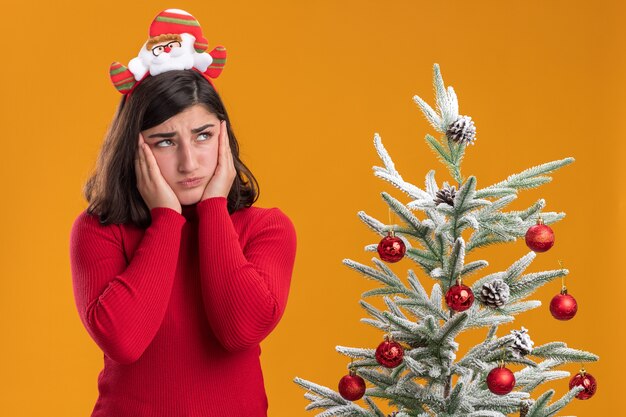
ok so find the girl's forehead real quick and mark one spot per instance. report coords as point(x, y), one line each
point(190, 118)
point(193, 113)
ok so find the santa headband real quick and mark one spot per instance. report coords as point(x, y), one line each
point(175, 43)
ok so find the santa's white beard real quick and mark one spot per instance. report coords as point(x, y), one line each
point(177, 59)
point(181, 58)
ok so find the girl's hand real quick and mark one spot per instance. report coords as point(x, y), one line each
point(222, 180)
point(155, 191)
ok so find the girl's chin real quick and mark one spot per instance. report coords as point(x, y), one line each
point(189, 197)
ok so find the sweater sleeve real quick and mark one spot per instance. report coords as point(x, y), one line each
point(122, 305)
point(244, 289)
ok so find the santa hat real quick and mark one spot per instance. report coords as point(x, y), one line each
point(178, 21)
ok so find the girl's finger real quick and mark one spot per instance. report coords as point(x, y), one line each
point(224, 136)
point(220, 148)
point(151, 163)
point(228, 151)
point(226, 146)
point(143, 163)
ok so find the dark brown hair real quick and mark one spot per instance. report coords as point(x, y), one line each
point(112, 189)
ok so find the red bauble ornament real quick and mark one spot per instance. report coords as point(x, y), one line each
point(500, 381)
point(389, 353)
point(540, 237)
point(585, 380)
point(351, 386)
point(391, 248)
point(563, 306)
point(459, 297)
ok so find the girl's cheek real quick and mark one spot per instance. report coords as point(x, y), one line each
point(211, 154)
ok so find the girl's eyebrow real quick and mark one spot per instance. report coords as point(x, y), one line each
point(201, 128)
point(162, 135)
point(172, 134)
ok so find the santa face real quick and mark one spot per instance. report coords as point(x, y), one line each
point(169, 54)
point(186, 146)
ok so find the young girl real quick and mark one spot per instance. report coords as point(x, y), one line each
point(177, 277)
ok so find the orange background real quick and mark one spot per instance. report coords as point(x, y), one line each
point(307, 84)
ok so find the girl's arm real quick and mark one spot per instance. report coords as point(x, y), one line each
point(122, 306)
point(244, 290)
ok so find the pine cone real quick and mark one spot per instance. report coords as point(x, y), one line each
point(446, 195)
point(525, 406)
point(495, 293)
point(522, 345)
point(462, 130)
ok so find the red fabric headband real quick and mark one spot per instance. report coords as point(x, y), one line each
point(206, 77)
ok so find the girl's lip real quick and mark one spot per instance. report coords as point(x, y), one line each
point(191, 182)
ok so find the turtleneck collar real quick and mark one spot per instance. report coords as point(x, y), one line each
point(189, 211)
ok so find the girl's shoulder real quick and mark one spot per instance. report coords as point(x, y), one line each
point(87, 231)
point(256, 218)
point(265, 227)
point(91, 222)
point(256, 213)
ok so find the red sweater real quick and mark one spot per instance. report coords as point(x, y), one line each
point(179, 308)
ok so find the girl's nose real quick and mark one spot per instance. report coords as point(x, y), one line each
point(187, 161)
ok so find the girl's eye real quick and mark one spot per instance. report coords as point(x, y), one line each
point(158, 144)
point(207, 134)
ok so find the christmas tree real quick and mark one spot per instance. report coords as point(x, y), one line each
point(416, 369)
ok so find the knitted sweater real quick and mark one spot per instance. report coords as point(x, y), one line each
point(179, 308)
